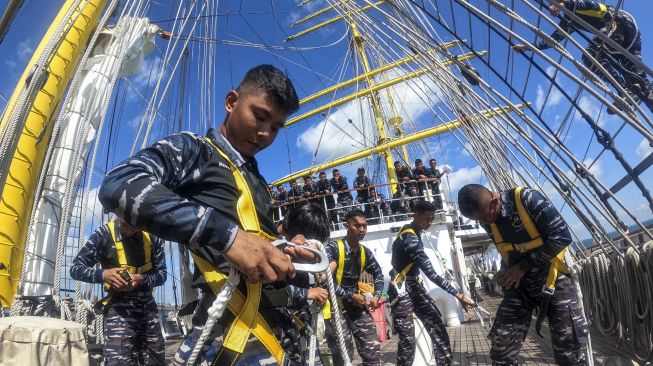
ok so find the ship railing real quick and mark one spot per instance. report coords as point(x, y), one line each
point(379, 210)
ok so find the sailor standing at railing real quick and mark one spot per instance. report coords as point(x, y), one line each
point(432, 172)
point(408, 295)
point(207, 193)
point(326, 201)
point(420, 173)
point(339, 185)
point(132, 263)
point(532, 238)
point(361, 182)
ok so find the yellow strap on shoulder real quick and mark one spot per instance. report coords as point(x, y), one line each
point(122, 257)
point(524, 216)
point(594, 13)
point(120, 249)
point(407, 230)
point(259, 327)
point(363, 259)
point(246, 312)
point(341, 261)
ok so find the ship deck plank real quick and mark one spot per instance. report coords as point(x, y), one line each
point(472, 348)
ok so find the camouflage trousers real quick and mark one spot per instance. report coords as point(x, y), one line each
point(357, 323)
point(133, 333)
point(567, 324)
point(418, 301)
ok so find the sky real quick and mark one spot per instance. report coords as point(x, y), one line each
point(322, 59)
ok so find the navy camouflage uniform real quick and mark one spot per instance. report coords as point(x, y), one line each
point(327, 200)
point(357, 321)
point(623, 30)
point(182, 189)
point(421, 186)
point(408, 248)
point(435, 185)
point(568, 326)
point(408, 188)
point(132, 330)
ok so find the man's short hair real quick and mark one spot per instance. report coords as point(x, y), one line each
point(276, 85)
point(322, 173)
point(307, 177)
point(309, 220)
point(354, 213)
point(432, 160)
point(417, 161)
point(361, 169)
point(470, 198)
point(397, 162)
point(424, 207)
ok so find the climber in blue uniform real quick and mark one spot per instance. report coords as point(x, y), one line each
point(619, 26)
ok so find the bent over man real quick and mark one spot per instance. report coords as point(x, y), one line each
point(532, 238)
point(132, 264)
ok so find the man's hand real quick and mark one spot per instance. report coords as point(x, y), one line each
point(112, 276)
point(519, 48)
point(373, 303)
point(137, 279)
point(258, 259)
point(318, 294)
point(358, 300)
point(465, 302)
point(510, 277)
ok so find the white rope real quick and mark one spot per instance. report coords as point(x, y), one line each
point(215, 312)
point(335, 311)
point(579, 295)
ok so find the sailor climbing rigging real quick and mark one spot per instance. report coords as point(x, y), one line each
point(619, 26)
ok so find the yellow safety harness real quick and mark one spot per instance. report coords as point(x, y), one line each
point(603, 9)
point(326, 311)
point(401, 276)
point(247, 320)
point(122, 258)
point(557, 263)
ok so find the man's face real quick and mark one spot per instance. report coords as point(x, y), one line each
point(252, 121)
point(322, 177)
point(423, 220)
point(293, 184)
point(432, 162)
point(308, 181)
point(419, 165)
point(336, 175)
point(361, 173)
point(489, 211)
point(356, 227)
point(280, 189)
point(127, 230)
point(398, 167)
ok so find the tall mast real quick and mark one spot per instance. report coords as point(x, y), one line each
point(358, 40)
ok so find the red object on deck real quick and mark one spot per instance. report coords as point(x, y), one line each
point(378, 316)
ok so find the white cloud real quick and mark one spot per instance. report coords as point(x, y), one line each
point(554, 97)
point(592, 107)
point(150, 69)
point(22, 53)
point(596, 169)
point(460, 177)
point(644, 149)
point(336, 136)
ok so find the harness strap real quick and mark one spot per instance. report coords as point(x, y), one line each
point(326, 310)
point(247, 320)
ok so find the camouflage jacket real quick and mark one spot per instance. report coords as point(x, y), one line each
point(352, 269)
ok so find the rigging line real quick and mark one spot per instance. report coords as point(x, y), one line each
point(226, 15)
point(260, 45)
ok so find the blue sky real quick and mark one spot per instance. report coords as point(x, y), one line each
point(328, 60)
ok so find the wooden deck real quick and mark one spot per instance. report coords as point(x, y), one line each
point(471, 346)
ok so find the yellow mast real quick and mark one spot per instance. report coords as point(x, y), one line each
point(396, 121)
point(27, 161)
point(433, 131)
point(376, 106)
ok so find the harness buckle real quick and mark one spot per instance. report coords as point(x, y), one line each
point(547, 291)
point(521, 248)
point(320, 266)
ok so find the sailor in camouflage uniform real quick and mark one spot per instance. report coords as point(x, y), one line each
point(407, 293)
point(349, 258)
point(532, 237)
point(207, 193)
point(132, 329)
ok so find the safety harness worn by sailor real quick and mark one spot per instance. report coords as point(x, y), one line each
point(349, 259)
point(132, 263)
point(408, 295)
point(621, 27)
point(207, 193)
point(532, 238)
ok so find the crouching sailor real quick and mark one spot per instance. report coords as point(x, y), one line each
point(532, 238)
point(132, 264)
point(207, 193)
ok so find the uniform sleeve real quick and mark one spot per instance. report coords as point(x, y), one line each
point(141, 190)
point(83, 268)
point(415, 250)
point(566, 23)
point(158, 274)
point(373, 268)
point(298, 296)
point(552, 228)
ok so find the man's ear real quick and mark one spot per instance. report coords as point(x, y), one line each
point(231, 100)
